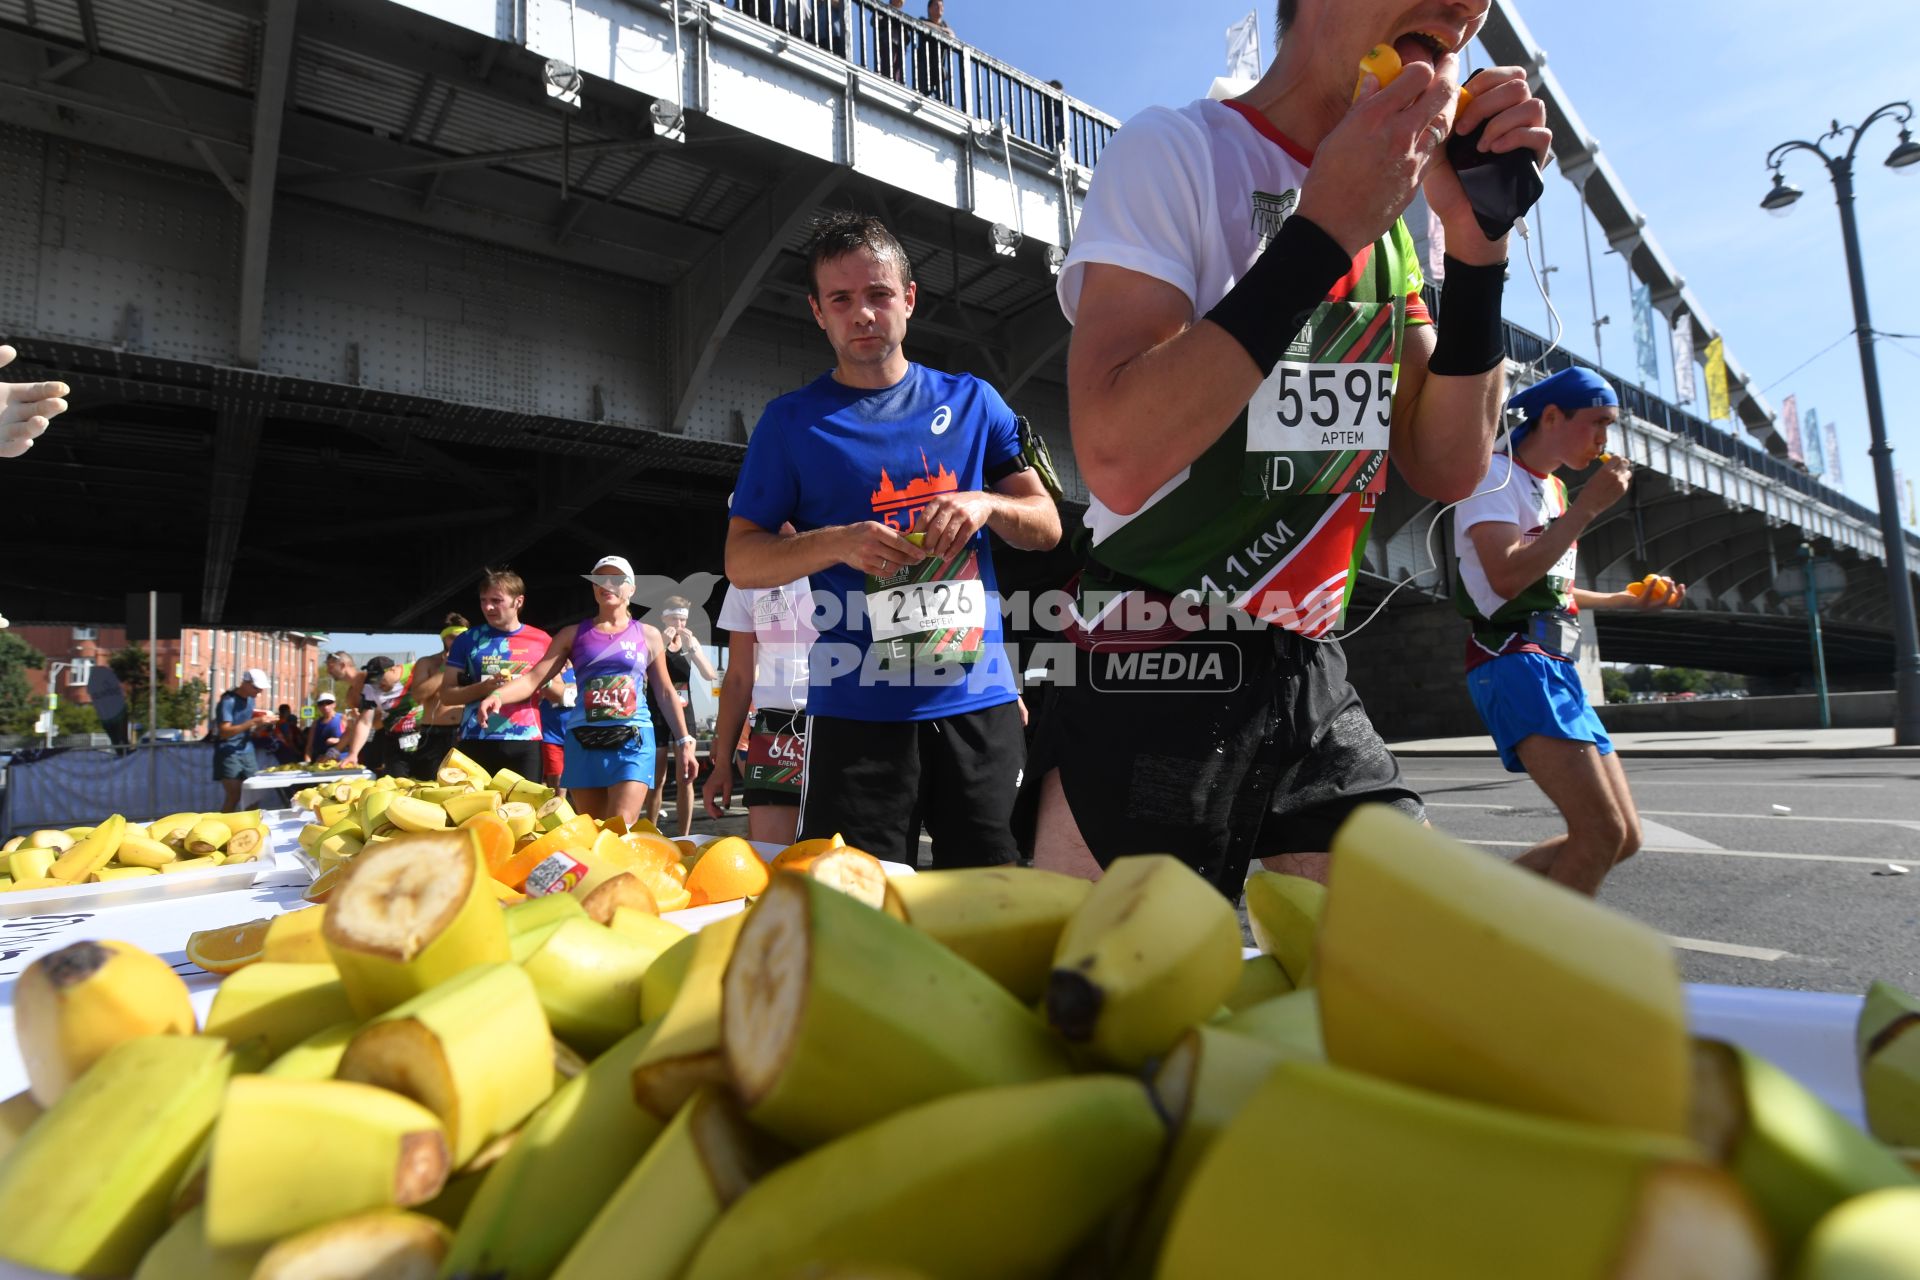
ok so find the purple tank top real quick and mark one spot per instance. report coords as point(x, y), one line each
point(612, 673)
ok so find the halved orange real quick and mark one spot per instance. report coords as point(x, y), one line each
point(230, 947)
point(806, 851)
point(495, 837)
point(728, 870)
point(326, 882)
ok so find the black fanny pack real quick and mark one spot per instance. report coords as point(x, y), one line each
point(604, 737)
point(1556, 632)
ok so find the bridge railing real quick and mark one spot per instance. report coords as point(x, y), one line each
point(1527, 347)
point(889, 42)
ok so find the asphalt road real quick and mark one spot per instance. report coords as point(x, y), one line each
point(1752, 897)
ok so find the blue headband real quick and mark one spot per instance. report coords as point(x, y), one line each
point(1569, 391)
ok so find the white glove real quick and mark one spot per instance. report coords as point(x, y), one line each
point(26, 408)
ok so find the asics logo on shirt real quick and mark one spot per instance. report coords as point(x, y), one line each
point(942, 420)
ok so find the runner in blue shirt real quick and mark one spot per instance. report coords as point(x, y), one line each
point(232, 734)
point(892, 473)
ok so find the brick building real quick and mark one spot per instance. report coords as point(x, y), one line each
point(291, 659)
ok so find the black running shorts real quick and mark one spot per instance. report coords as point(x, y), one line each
point(495, 754)
point(875, 783)
point(1226, 747)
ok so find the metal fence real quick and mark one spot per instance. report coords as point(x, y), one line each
point(890, 42)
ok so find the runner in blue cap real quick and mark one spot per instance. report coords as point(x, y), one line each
point(1517, 541)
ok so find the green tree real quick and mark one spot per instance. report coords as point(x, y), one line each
point(1679, 680)
point(1614, 682)
point(185, 707)
point(130, 664)
point(18, 707)
point(76, 717)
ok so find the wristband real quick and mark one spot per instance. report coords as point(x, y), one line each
point(681, 742)
point(1467, 341)
point(1271, 303)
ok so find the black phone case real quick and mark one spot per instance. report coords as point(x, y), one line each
point(1500, 187)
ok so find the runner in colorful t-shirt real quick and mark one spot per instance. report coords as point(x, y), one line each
point(1249, 349)
point(609, 749)
point(1517, 542)
point(892, 473)
point(495, 652)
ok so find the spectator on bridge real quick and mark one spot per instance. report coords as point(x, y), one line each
point(933, 60)
point(610, 744)
point(1213, 284)
point(893, 43)
point(1517, 538)
point(26, 409)
point(684, 653)
point(323, 741)
point(770, 631)
point(911, 706)
point(234, 721)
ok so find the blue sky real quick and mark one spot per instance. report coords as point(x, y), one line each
point(1685, 100)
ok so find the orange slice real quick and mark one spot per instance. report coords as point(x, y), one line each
point(496, 839)
point(669, 894)
point(231, 947)
point(728, 870)
point(326, 882)
point(578, 833)
point(806, 851)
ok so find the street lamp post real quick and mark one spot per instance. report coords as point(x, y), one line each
point(1905, 156)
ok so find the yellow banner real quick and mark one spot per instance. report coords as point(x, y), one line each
point(1718, 405)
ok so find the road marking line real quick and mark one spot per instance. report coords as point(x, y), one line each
point(1767, 954)
point(1724, 853)
point(1666, 837)
point(1637, 781)
point(1905, 824)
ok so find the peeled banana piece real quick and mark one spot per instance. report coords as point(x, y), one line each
point(385, 1245)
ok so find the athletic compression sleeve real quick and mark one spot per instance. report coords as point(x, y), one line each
point(1466, 342)
point(1271, 303)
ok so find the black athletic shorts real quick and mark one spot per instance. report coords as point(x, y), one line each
point(494, 754)
point(435, 741)
point(875, 783)
point(1231, 746)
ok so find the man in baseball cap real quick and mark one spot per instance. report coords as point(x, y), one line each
point(324, 742)
point(232, 734)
